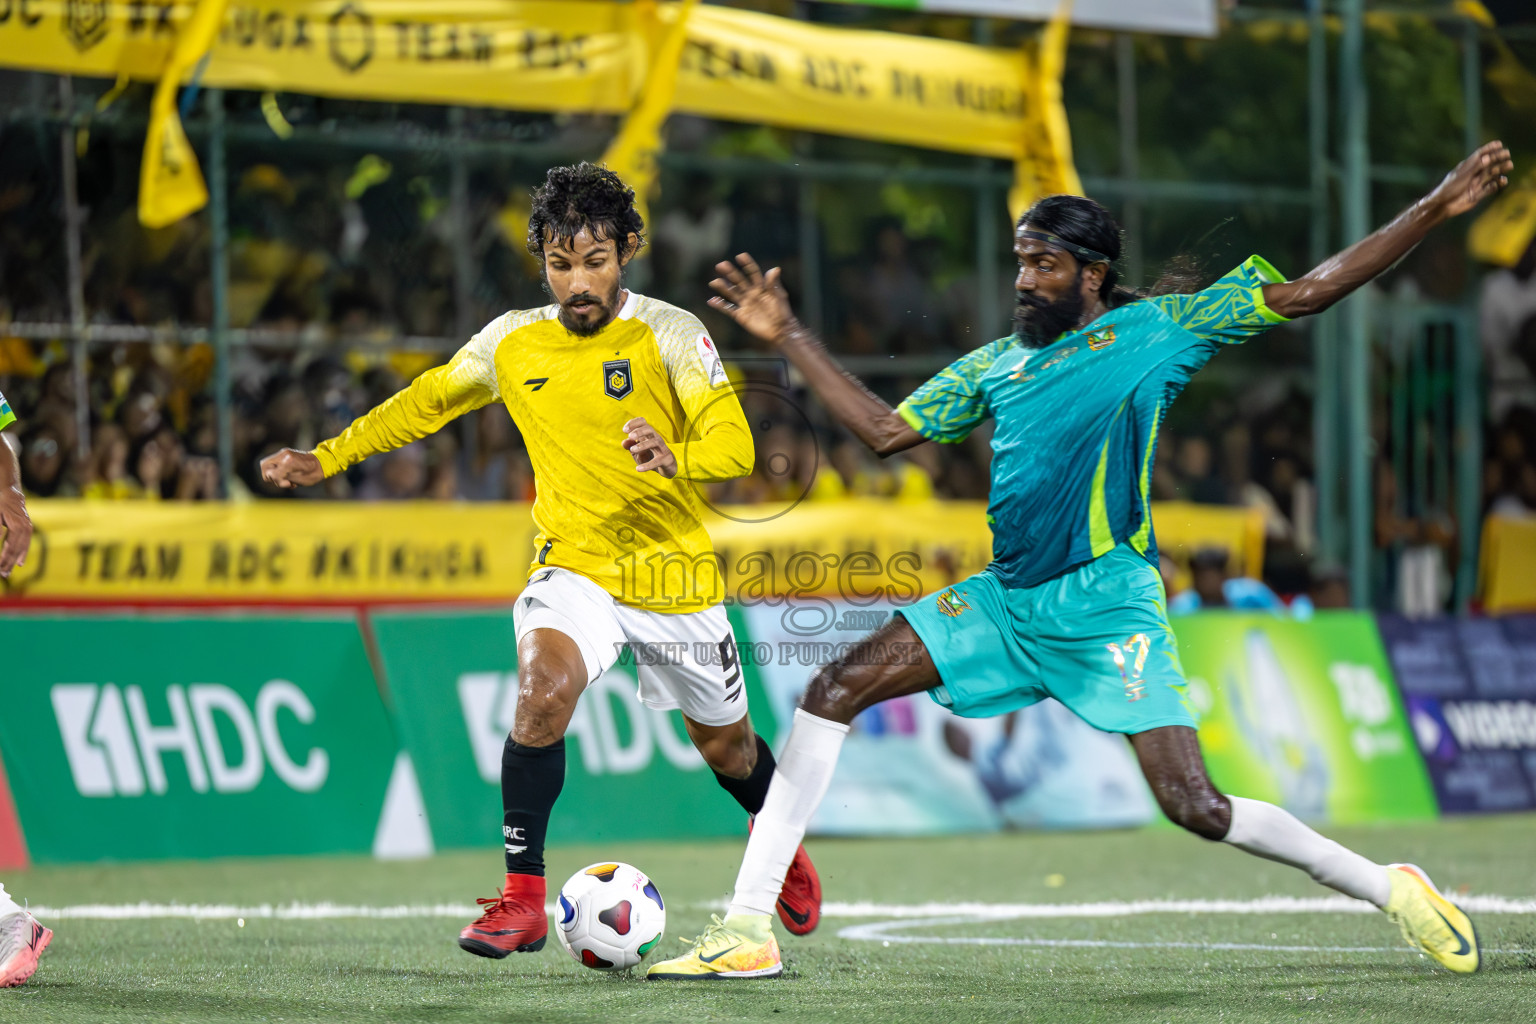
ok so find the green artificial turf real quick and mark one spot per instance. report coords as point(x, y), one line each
point(411, 970)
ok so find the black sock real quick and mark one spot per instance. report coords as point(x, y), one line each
point(531, 779)
point(751, 791)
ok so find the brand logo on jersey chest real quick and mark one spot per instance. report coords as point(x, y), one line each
point(617, 380)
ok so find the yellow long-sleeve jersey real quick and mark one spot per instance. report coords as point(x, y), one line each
point(637, 535)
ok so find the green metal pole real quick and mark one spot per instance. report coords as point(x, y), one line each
point(218, 210)
point(1130, 154)
point(989, 216)
point(989, 213)
point(810, 258)
point(1469, 391)
point(1325, 332)
point(1356, 391)
point(458, 204)
point(79, 343)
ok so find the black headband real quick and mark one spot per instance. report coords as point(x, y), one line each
point(1081, 252)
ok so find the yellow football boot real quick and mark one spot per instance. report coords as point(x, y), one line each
point(740, 949)
point(1430, 922)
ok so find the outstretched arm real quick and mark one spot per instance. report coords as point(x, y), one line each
point(464, 384)
point(1478, 176)
point(759, 303)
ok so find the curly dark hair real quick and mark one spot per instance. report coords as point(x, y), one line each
point(587, 196)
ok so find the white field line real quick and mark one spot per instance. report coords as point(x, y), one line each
point(885, 933)
point(1475, 904)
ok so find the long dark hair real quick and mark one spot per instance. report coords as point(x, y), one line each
point(1084, 222)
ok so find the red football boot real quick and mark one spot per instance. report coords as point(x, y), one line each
point(800, 899)
point(513, 922)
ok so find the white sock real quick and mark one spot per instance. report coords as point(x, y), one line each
point(799, 782)
point(1273, 833)
point(7, 905)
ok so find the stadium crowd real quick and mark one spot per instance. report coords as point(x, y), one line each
point(343, 276)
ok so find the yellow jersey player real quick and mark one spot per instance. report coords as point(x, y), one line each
point(624, 405)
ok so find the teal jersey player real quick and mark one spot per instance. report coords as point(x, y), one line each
point(1072, 605)
point(1072, 450)
point(1077, 419)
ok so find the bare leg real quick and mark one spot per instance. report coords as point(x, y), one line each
point(731, 750)
point(551, 675)
point(890, 662)
point(1170, 759)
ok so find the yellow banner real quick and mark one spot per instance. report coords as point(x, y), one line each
point(576, 55)
point(632, 153)
point(1508, 571)
point(743, 66)
point(434, 551)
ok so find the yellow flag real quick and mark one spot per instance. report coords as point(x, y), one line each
point(1044, 164)
point(170, 184)
point(1506, 229)
point(632, 154)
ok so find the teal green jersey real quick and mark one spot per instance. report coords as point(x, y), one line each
point(1077, 420)
point(7, 417)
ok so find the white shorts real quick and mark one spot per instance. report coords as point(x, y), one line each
point(686, 661)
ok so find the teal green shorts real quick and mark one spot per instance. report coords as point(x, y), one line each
point(1097, 639)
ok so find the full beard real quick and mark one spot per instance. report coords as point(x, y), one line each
point(597, 318)
point(1039, 322)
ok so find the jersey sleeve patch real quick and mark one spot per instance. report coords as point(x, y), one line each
point(7, 417)
point(710, 357)
point(1231, 310)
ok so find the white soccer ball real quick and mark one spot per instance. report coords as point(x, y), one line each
point(610, 916)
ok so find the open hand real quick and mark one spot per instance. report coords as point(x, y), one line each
point(648, 448)
point(1476, 178)
point(15, 527)
point(291, 468)
point(756, 301)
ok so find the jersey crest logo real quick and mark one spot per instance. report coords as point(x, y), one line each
point(536, 382)
point(1102, 338)
point(617, 382)
point(951, 603)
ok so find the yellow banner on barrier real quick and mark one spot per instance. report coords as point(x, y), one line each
point(1508, 572)
point(589, 55)
point(432, 551)
point(743, 66)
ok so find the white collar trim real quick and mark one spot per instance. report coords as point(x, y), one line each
point(630, 305)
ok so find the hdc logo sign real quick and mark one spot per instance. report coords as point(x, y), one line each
point(115, 747)
point(489, 702)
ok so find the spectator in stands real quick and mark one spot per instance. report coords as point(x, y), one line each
point(44, 459)
point(688, 239)
point(1214, 588)
point(108, 476)
point(1197, 482)
point(892, 301)
point(402, 475)
point(1330, 588)
point(1506, 309)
